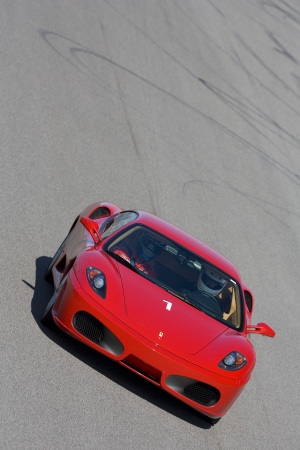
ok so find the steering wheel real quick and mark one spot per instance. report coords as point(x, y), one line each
point(205, 300)
point(207, 294)
point(132, 262)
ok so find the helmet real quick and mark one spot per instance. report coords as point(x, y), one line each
point(148, 247)
point(210, 281)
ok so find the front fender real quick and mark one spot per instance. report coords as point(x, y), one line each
point(95, 257)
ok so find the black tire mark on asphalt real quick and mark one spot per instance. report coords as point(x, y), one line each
point(236, 59)
point(258, 201)
point(80, 49)
point(254, 79)
point(280, 48)
point(259, 112)
point(285, 11)
point(264, 65)
point(253, 113)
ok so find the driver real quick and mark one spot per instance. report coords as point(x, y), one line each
point(210, 282)
point(140, 256)
point(214, 284)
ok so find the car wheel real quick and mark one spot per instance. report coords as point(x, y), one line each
point(48, 274)
point(47, 318)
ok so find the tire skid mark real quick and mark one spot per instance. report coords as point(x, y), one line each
point(247, 110)
point(258, 201)
point(75, 52)
point(284, 9)
point(252, 112)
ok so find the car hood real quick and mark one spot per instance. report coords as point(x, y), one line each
point(165, 319)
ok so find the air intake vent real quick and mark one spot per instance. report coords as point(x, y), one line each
point(101, 211)
point(88, 326)
point(202, 393)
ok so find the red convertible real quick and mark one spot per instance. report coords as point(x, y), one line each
point(158, 301)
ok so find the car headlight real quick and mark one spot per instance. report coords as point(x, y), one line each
point(97, 281)
point(233, 361)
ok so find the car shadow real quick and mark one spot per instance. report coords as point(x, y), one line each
point(110, 369)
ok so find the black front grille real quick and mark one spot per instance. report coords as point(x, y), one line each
point(101, 211)
point(202, 393)
point(88, 326)
point(142, 368)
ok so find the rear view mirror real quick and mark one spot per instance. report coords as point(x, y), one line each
point(261, 328)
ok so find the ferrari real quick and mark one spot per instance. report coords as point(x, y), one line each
point(158, 301)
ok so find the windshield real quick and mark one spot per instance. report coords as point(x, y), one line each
point(179, 271)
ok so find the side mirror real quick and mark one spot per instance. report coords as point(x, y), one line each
point(261, 328)
point(93, 228)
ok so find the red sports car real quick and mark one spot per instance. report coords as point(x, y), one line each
point(158, 301)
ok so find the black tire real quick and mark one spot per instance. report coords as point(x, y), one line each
point(47, 318)
point(48, 274)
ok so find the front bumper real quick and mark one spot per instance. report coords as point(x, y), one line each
point(77, 314)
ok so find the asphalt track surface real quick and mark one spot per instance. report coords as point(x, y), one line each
point(189, 110)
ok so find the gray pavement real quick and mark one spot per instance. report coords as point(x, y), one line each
point(189, 110)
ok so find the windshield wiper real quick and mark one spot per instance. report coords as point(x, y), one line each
point(176, 294)
point(181, 297)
